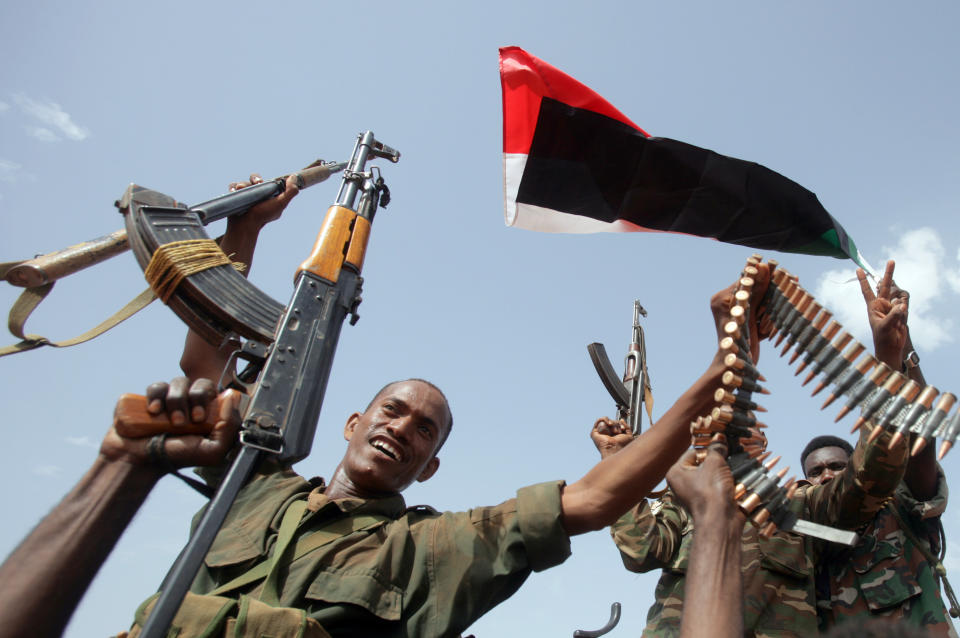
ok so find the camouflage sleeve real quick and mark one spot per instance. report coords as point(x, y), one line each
point(869, 480)
point(649, 536)
point(931, 508)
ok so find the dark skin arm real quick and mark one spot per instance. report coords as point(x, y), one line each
point(714, 600)
point(887, 312)
point(44, 578)
point(620, 480)
point(201, 360)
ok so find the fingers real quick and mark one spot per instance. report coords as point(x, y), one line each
point(865, 287)
point(202, 392)
point(254, 179)
point(883, 288)
point(290, 190)
point(177, 400)
point(180, 398)
point(156, 393)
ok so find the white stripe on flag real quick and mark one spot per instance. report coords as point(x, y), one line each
point(547, 220)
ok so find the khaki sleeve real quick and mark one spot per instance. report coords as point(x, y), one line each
point(650, 535)
point(539, 518)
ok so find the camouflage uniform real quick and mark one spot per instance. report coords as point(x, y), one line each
point(414, 572)
point(778, 573)
point(885, 574)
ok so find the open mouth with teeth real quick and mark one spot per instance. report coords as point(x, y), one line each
point(387, 448)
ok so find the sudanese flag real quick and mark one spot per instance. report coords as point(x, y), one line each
point(572, 163)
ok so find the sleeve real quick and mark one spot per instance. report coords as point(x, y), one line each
point(930, 508)
point(479, 558)
point(868, 482)
point(650, 536)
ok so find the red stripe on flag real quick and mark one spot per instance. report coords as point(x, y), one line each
point(525, 79)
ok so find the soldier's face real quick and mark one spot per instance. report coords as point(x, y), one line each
point(823, 464)
point(394, 441)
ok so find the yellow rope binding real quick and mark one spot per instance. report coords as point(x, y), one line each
point(174, 261)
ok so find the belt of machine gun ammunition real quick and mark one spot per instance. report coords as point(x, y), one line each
point(887, 397)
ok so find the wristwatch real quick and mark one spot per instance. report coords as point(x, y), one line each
point(911, 361)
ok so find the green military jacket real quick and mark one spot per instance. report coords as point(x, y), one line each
point(778, 573)
point(886, 574)
point(408, 572)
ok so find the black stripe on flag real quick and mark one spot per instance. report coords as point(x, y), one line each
point(584, 163)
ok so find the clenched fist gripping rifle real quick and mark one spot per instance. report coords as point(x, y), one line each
point(289, 348)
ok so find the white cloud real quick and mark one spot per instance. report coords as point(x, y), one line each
point(53, 116)
point(4, 107)
point(82, 441)
point(923, 269)
point(41, 133)
point(47, 470)
point(9, 171)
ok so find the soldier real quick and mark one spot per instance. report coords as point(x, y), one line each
point(357, 560)
point(894, 571)
point(778, 573)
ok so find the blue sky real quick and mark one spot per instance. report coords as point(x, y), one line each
point(857, 102)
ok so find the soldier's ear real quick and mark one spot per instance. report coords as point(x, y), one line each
point(432, 466)
point(351, 425)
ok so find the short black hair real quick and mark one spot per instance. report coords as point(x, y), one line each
point(446, 402)
point(827, 440)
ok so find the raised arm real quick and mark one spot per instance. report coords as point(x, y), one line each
point(622, 479)
point(201, 360)
point(44, 578)
point(887, 312)
point(713, 605)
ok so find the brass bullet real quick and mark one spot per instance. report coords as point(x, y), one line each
point(900, 402)
point(811, 329)
point(819, 342)
point(746, 368)
point(937, 415)
point(890, 387)
point(838, 365)
point(792, 316)
point(724, 396)
point(950, 431)
point(850, 378)
point(733, 380)
point(863, 388)
point(828, 355)
point(917, 409)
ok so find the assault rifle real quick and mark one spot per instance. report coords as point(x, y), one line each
point(630, 393)
point(288, 349)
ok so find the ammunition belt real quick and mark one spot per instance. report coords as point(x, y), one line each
point(884, 396)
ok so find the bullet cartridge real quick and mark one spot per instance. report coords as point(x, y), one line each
point(828, 356)
point(802, 320)
point(762, 491)
point(890, 387)
point(740, 400)
point(812, 328)
point(820, 341)
point(937, 416)
point(850, 378)
point(839, 365)
point(950, 431)
point(792, 316)
point(742, 366)
point(730, 379)
point(913, 413)
point(862, 389)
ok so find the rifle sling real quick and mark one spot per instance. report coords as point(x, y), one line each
point(31, 298)
point(328, 533)
point(935, 562)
